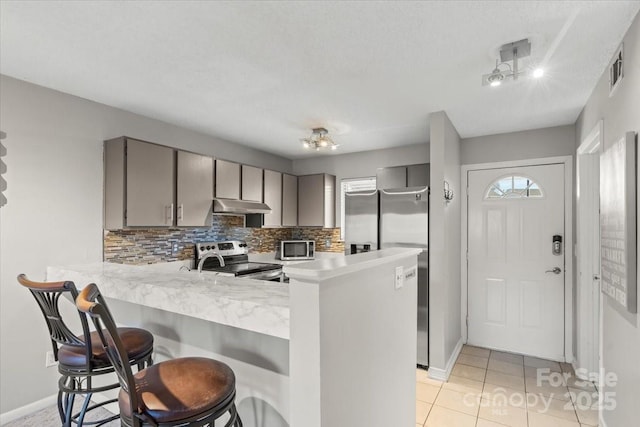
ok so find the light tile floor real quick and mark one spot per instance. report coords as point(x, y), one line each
point(494, 389)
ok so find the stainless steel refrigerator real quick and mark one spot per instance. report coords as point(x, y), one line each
point(394, 218)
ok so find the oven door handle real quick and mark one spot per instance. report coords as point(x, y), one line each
point(263, 275)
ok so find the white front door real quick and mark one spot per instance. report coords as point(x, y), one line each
point(515, 280)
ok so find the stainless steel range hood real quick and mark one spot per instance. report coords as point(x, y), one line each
point(239, 207)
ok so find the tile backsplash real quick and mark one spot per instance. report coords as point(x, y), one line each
point(153, 245)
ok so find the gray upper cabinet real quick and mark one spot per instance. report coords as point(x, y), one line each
point(316, 200)
point(195, 190)
point(273, 198)
point(403, 176)
point(139, 184)
point(251, 183)
point(227, 180)
point(395, 177)
point(418, 175)
point(289, 200)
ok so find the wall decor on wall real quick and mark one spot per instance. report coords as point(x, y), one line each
point(618, 222)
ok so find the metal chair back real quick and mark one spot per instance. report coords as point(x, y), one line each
point(47, 295)
point(91, 302)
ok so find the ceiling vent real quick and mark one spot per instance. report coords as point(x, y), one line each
point(616, 71)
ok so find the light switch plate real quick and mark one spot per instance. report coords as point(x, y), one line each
point(50, 359)
point(411, 273)
point(399, 282)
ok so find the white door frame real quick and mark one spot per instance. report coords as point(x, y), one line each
point(568, 231)
point(589, 327)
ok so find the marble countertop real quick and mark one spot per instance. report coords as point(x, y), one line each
point(253, 305)
point(271, 258)
point(325, 268)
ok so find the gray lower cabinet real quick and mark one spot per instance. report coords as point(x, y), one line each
point(139, 184)
point(289, 200)
point(227, 180)
point(251, 183)
point(316, 200)
point(273, 198)
point(194, 193)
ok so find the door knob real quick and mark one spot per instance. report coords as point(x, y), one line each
point(556, 270)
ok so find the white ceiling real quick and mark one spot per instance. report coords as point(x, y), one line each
point(264, 73)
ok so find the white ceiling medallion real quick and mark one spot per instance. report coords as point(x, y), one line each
point(505, 71)
point(319, 139)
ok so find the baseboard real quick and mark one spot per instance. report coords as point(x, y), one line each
point(28, 409)
point(443, 374)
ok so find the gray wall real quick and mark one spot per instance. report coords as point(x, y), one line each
point(621, 332)
point(444, 243)
point(360, 165)
point(53, 213)
point(528, 144)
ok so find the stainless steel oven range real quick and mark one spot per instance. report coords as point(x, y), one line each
point(235, 261)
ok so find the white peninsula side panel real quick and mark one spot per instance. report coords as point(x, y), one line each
point(352, 348)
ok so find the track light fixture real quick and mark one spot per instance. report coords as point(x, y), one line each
point(504, 71)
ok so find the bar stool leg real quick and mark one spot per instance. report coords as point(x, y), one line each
point(83, 411)
point(60, 406)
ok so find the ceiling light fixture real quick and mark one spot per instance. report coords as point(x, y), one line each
point(319, 139)
point(505, 71)
point(497, 76)
point(537, 73)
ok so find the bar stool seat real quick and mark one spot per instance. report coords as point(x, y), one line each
point(180, 389)
point(137, 341)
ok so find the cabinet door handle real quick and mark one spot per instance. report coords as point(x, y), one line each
point(180, 212)
point(171, 214)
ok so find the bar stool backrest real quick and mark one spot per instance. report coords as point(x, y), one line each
point(91, 302)
point(47, 295)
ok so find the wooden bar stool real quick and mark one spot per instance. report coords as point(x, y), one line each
point(189, 391)
point(81, 358)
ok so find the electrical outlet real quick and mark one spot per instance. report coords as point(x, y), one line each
point(174, 249)
point(327, 243)
point(399, 282)
point(49, 360)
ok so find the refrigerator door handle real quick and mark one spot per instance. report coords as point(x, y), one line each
point(401, 192)
point(361, 194)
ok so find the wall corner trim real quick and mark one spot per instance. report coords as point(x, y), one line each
point(443, 374)
point(28, 409)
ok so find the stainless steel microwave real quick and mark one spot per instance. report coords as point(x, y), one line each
point(297, 249)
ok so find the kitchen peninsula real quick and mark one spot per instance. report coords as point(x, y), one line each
point(339, 331)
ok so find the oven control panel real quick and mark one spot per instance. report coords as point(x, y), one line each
point(227, 248)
